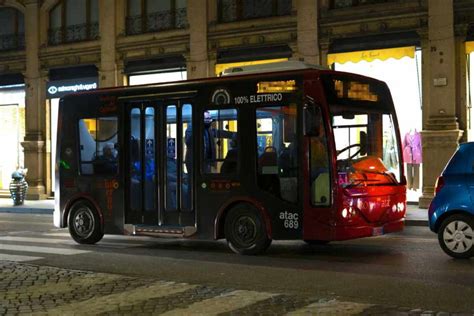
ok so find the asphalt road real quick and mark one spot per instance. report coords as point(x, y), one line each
point(405, 269)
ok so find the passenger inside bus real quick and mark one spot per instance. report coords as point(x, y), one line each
point(268, 177)
point(171, 181)
point(209, 144)
point(229, 165)
point(106, 163)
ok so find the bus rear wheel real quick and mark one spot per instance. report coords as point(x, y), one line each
point(245, 231)
point(84, 223)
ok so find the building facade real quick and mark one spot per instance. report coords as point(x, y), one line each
point(52, 47)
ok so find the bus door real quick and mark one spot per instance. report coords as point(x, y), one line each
point(160, 181)
point(178, 208)
point(142, 158)
point(318, 175)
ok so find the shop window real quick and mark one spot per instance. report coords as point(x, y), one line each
point(277, 151)
point(149, 16)
point(220, 147)
point(12, 33)
point(236, 10)
point(98, 145)
point(73, 21)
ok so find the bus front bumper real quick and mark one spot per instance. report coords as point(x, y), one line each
point(351, 232)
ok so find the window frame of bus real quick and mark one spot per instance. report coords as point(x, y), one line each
point(91, 162)
point(201, 153)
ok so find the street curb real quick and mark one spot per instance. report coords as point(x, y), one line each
point(410, 222)
point(25, 210)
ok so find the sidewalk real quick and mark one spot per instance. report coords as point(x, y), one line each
point(29, 207)
point(415, 216)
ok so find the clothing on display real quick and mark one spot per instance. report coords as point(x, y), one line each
point(412, 157)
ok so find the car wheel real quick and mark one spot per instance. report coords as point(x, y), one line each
point(245, 231)
point(84, 223)
point(456, 236)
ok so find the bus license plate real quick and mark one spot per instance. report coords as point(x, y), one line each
point(377, 231)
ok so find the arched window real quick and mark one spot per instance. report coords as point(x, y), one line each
point(146, 16)
point(74, 21)
point(12, 30)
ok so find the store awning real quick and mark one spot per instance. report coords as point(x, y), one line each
point(69, 73)
point(251, 53)
point(371, 55)
point(153, 65)
point(371, 47)
point(221, 67)
point(469, 47)
point(11, 79)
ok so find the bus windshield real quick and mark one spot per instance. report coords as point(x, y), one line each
point(363, 121)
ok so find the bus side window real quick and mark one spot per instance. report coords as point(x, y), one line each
point(220, 148)
point(277, 151)
point(97, 137)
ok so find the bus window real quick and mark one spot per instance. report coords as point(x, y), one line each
point(97, 140)
point(390, 148)
point(187, 175)
point(149, 161)
point(277, 151)
point(319, 168)
point(220, 149)
point(171, 154)
point(135, 159)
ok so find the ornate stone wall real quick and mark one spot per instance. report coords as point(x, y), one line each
point(309, 30)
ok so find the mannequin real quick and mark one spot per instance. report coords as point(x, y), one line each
point(412, 157)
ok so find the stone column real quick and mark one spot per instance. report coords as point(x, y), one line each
point(441, 134)
point(307, 30)
point(108, 76)
point(35, 100)
point(197, 63)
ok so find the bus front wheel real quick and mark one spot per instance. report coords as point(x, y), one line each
point(245, 231)
point(84, 223)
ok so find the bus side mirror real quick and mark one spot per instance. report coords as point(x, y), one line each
point(363, 142)
point(312, 120)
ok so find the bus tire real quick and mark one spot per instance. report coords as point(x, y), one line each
point(245, 230)
point(84, 223)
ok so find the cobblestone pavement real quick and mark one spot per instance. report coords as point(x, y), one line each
point(39, 290)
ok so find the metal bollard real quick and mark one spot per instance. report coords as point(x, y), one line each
point(18, 187)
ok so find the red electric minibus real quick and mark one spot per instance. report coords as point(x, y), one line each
point(306, 154)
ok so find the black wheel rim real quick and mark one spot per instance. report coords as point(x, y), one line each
point(84, 222)
point(245, 231)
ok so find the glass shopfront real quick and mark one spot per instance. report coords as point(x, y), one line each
point(12, 133)
point(400, 68)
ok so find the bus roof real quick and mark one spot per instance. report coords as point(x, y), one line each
point(280, 69)
point(270, 67)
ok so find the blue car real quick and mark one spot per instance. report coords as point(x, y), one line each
point(451, 213)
